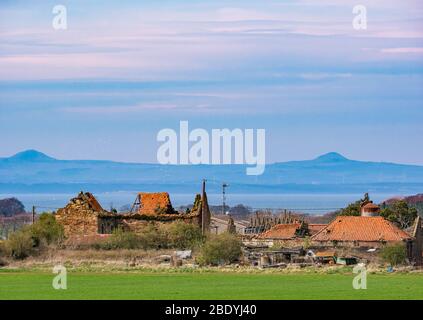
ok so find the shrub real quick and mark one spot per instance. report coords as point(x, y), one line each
point(183, 236)
point(149, 237)
point(2, 250)
point(120, 240)
point(153, 237)
point(24, 242)
point(220, 249)
point(20, 244)
point(47, 230)
point(394, 254)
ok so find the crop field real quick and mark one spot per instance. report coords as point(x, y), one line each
point(197, 285)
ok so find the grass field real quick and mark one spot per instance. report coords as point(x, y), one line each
point(144, 285)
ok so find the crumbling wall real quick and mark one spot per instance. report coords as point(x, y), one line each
point(417, 244)
point(136, 223)
point(83, 215)
point(79, 217)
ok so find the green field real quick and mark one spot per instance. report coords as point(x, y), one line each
point(144, 285)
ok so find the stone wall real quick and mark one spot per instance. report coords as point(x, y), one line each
point(417, 246)
point(79, 217)
point(137, 223)
point(83, 215)
point(354, 244)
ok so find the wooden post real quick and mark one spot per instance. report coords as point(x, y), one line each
point(205, 211)
point(33, 214)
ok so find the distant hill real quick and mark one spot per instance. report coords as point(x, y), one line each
point(11, 207)
point(415, 201)
point(33, 171)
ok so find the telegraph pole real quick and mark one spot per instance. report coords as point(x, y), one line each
point(33, 214)
point(224, 186)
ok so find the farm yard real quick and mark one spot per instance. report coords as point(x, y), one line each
point(155, 252)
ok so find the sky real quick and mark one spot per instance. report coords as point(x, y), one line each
point(123, 70)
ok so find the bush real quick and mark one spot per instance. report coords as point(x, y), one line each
point(47, 230)
point(220, 249)
point(153, 237)
point(2, 250)
point(120, 240)
point(394, 254)
point(20, 244)
point(183, 236)
point(149, 237)
point(24, 242)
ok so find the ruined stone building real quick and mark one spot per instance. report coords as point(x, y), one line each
point(417, 249)
point(81, 215)
point(84, 216)
point(262, 222)
point(286, 231)
point(221, 224)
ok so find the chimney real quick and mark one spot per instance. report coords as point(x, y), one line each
point(369, 209)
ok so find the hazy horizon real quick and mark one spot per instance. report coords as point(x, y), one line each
point(83, 159)
point(104, 87)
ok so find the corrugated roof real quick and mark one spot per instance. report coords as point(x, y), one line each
point(353, 228)
point(281, 231)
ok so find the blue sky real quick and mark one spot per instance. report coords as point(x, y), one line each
point(124, 70)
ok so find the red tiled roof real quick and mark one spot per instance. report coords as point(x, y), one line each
point(370, 205)
point(313, 228)
point(154, 203)
point(353, 228)
point(281, 231)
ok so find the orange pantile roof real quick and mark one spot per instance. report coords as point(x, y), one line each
point(281, 231)
point(353, 228)
point(154, 203)
point(313, 228)
point(370, 205)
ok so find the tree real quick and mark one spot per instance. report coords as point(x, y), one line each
point(400, 213)
point(353, 209)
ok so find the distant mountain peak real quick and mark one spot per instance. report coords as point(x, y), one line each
point(31, 155)
point(331, 157)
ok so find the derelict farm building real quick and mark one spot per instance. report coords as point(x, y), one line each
point(84, 216)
